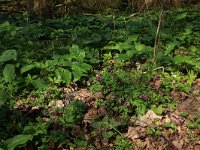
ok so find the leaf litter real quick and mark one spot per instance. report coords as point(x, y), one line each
point(177, 139)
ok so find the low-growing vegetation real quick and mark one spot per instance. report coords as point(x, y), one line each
point(107, 81)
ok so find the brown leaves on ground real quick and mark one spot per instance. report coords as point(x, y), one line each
point(177, 138)
point(156, 82)
point(178, 95)
point(190, 106)
point(148, 119)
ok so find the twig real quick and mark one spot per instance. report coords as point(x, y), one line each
point(157, 39)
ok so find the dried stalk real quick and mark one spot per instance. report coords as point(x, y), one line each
point(157, 39)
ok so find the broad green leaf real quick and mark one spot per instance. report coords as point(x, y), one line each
point(97, 125)
point(8, 55)
point(29, 67)
point(187, 60)
point(122, 57)
point(17, 140)
point(81, 143)
point(140, 47)
point(79, 70)
point(39, 83)
point(3, 99)
point(5, 25)
point(169, 47)
point(77, 75)
point(119, 46)
point(77, 53)
point(9, 72)
point(169, 125)
point(108, 134)
point(181, 16)
point(130, 53)
point(158, 110)
point(113, 123)
point(86, 66)
point(63, 75)
point(132, 38)
point(180, 59)
point(193, 48)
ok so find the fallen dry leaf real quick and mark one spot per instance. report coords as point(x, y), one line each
point(35, 108)
point(98, 95)
point(177, 120)
point(191, 106)
point(84, 95)
point(59, 103)
point(196, 87)
point(178, 95)
point(97, 144)
point(157, 82)
point(139, 144)
point(90, 115)
point(178, 144)
point(131, 134)
point(148, 119)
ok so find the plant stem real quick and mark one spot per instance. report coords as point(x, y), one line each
point(157, 39)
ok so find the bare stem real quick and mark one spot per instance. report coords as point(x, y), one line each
point(157, 39)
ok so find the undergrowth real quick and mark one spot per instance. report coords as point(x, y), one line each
point(108, 54)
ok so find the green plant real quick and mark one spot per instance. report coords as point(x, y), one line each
point(73, 113)
point(154, 131)
point(122, 143)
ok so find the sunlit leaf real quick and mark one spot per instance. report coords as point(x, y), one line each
point(157, 109)
point(8, 55)
point(140, 47)
point(63, 75)
point(169, 47)
point(77, 53)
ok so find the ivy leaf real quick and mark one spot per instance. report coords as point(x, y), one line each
point(8, 55)
point(9, 73)
point(17, 140)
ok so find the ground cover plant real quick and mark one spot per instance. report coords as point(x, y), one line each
point(91, 81)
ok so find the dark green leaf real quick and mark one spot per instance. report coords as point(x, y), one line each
point(18, 140)
point(8, 55)
point(9, 72)
point(39, 84)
